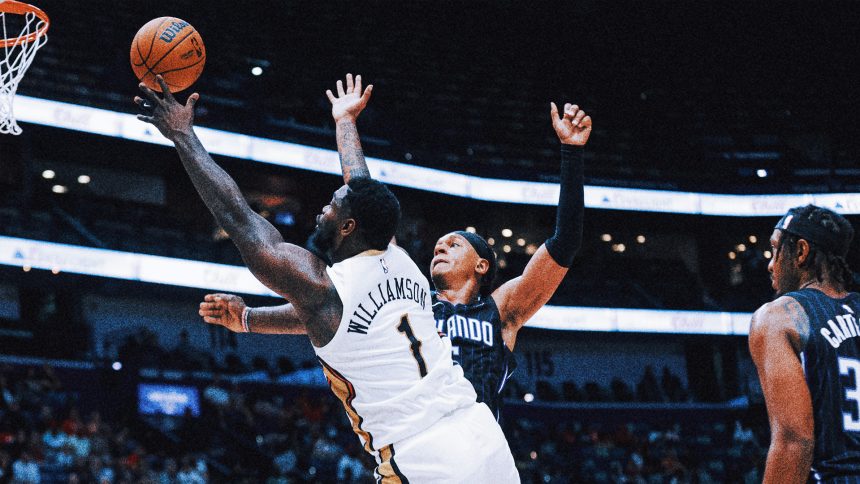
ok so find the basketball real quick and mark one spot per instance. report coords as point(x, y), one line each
point(170, 47)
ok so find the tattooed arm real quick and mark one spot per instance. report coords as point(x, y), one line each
point(778, 334)
point(345, 109)
point(228, 310)
point(287, 269)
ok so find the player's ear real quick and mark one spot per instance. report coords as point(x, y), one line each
point(347, 227)
point(803, 252)
point(482, 266)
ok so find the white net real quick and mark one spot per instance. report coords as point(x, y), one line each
point(15, 58)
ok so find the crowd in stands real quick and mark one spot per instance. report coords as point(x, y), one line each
point(636, 453)
point(276, 434)
point(46, 437)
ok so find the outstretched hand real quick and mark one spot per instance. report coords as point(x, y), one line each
point(223, 309)
point(574, 127)
point(348, 104)
point(165, 112)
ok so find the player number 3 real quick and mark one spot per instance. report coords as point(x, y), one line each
point(851, 367)
point(414, 344)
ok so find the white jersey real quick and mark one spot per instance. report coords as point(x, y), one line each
point(386, 362)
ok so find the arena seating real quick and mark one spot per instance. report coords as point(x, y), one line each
point(62, 421)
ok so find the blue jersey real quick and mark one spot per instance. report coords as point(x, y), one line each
point(476, 337)
point(831, 363)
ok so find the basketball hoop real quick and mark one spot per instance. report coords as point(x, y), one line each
point(17, 52)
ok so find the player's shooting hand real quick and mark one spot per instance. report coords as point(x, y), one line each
point(574, 127)
point(349, 103)
point(165, 112)
point(223, 309)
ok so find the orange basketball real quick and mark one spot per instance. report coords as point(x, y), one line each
point(171, 47)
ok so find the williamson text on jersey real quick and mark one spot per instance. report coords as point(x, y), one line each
point(394, 289)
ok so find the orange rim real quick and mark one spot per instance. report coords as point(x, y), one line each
point(20, 8)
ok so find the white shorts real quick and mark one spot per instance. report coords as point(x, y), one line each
point(464, 446)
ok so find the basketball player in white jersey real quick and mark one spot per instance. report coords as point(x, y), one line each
point(367, 315)
point(463, 265)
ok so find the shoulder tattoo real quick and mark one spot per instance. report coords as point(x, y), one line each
point(796, 315)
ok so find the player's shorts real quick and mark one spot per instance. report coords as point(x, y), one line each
point(466, 445)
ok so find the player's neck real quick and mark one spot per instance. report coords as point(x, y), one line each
point(346, 250)
point(829, 288)
point(465, 294)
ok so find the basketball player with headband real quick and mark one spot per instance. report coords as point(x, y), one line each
point(481, 323)
point(806, 347)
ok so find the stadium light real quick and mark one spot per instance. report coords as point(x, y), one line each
point(237, 145)
point(29, 254)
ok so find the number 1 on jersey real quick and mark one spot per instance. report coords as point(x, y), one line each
point(414, 344)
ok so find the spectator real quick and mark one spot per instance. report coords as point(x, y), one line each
point(189, 473)
point(648, 390)
point(5, 466)
point(25, 470)
point(54, 439)
point(672, 388)
point(620, 391)
point(741, 434)
point(350, 469)
point(216, 394)
point(169, 474)
point(285, 462)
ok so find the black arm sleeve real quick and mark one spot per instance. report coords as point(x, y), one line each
point(564, 244)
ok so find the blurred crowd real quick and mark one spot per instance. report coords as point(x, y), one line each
point(637, 453)
point(45, 437)
point(276, 434)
